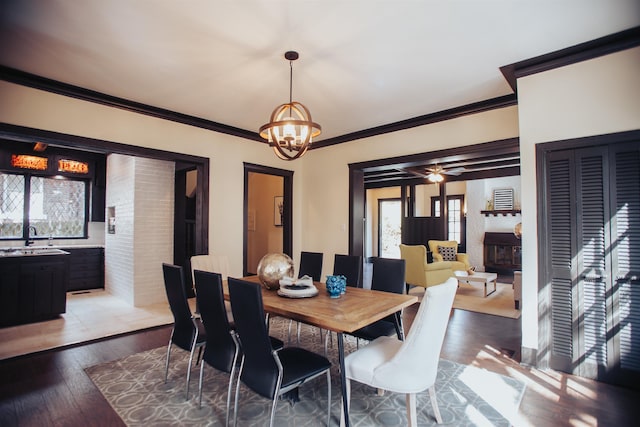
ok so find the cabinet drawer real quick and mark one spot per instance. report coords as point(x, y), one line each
point(86, 270)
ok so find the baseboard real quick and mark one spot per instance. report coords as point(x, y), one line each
point(528, 356)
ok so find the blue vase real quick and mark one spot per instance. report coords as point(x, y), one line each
point(336, 286)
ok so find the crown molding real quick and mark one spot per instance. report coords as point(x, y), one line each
point(612, 43)
point(38, 82)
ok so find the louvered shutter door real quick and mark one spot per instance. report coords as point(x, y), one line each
point(593, 279)
point(625, 193)
point(560, 249)
point(593, 250)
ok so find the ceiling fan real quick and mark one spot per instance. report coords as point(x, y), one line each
point(436, 173)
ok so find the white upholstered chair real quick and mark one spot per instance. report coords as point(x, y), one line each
point(408, 366)
point(213, 263)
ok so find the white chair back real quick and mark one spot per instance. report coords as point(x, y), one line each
point(215, 263)
point(421, 348)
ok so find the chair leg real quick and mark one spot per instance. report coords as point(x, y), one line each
point(200, 385)
point(289, 331)
point(235, 405)
point(326, 343)
point(273, 409)
point(328, 397)
point(193, 349)
point(229, 390)
point(434, 404)
point(166, 366)
point(412, 418)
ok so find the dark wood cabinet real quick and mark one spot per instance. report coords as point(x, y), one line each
point(86, 269)
point(33, 288)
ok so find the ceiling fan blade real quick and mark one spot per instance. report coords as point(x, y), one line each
point(454, 171)
point(413, 172)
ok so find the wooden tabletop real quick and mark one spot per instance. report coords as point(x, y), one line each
point(353, 310)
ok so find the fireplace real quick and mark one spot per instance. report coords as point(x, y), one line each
point(502, 253)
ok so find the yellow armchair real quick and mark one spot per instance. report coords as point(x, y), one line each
point(420, 273)
point(462, 260)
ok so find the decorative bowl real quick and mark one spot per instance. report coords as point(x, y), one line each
point(273, 267)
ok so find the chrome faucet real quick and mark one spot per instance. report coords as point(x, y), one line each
point(30, 242)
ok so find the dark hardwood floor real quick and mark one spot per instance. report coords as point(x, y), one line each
point(52, 389)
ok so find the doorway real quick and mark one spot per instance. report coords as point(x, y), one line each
point(267, 214)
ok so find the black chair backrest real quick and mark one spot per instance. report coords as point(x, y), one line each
point(259, 372)
point(349, 266)
point(388, 275)
point(311, 265)
point(220, 349)
point(184, 329)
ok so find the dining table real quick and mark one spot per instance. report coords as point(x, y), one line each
point(356, 308)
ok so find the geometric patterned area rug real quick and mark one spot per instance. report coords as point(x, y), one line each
point(134, 386)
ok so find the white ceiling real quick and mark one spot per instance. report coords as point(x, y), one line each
point(363, 63)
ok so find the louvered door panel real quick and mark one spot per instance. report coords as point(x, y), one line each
point(626, 259)
point(561, 248)
point(592, 240)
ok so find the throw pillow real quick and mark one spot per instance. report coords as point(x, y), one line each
point(448, 253)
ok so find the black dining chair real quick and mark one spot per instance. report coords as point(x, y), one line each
point(188, 333)
point(269, 372)
point(388, 276)
point(222, 347)
point(310, 265)
point(349, 266)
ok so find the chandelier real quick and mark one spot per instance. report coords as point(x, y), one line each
point(290, 130)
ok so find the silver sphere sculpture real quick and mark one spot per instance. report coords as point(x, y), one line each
point(273, 267)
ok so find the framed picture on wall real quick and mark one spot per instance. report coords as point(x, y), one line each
point(278, 210)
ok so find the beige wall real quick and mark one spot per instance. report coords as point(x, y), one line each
point(593, 97)
point(263, 236)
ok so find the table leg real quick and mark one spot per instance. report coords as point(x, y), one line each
point(494, 287)
point(343, 379)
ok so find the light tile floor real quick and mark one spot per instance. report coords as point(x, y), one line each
point(93, 315)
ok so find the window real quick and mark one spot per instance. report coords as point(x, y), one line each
point(435, 206)
point(55, 207)
point(389, 227)
point(455, 216)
